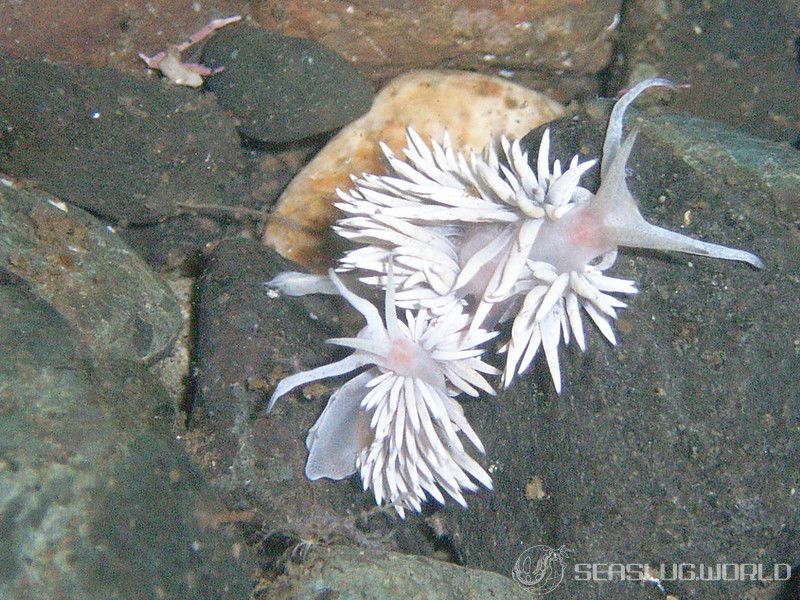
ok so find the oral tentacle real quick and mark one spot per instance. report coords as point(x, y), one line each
point(642, 234)
point(611, 144)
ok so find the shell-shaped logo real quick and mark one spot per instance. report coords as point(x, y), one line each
point(540, 569)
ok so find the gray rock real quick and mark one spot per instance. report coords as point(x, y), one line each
point(97, 500)
point(125, 148)
point(177, 244)
point(283, 88)
point(679, 445)
point(344, 572)
point(73, 262)
point(749, 73)
point(246, 342)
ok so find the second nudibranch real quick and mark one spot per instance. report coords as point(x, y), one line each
point(398, 423)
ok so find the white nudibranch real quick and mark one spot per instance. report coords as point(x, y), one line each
point(397, 423)
point(491, 234)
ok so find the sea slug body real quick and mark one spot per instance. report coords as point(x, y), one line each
point(397, 423)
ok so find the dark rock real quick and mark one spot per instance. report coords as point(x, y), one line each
point(96, 499)
point(77, 265)
point(345, 572)
point(283, 88)
point(735, 58)
point(128, 149)
point(178, 243)
point(274, 170)
point(679, 445)
point(247, 340)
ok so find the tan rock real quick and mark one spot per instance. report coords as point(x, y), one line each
point(472, 108)
point(102, 33)
point(384, 39)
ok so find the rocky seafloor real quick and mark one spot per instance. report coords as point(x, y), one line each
point(140, 346)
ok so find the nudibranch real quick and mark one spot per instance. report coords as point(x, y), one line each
point(397, 423)
point(490, 239)
point(518, 244)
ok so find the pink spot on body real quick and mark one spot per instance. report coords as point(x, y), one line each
point(587, 233)
point(402, 355)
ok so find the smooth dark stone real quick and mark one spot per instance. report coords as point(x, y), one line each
point(129, 149)
point(283, 88)
point(97, 500)
point(88, 274)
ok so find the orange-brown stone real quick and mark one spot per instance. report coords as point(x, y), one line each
point(472, 108)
